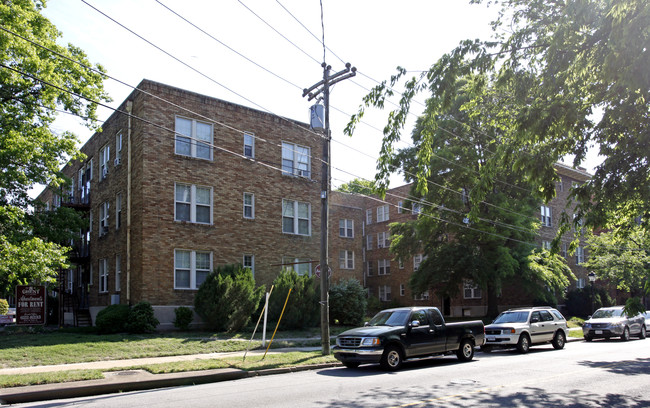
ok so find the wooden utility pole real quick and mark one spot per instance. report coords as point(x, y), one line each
point(324, 85)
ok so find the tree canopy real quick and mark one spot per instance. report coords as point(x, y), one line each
point(359, 186)
point(38, 77)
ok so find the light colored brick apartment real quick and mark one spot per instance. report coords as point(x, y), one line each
point(188, 183)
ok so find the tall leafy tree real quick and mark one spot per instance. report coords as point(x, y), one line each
point(38, 77)
point(358, 185)
point(488, 241)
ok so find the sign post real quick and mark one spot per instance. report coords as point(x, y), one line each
point(30, 305)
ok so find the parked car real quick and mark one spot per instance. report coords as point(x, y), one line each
point(608, 322)
point(395, 335)
point(647, 321)
point(523, 327)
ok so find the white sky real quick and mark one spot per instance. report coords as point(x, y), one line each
point(375, 36)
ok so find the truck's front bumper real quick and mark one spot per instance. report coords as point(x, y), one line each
point(358, 355)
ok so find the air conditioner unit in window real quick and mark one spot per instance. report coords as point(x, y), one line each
point(104, 172)
point(117, 161)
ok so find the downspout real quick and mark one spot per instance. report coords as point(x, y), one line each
point(129, 109)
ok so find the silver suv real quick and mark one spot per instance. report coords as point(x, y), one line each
point(612, 321)
point(524, 327)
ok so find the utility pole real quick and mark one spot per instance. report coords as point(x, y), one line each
point(324, 85)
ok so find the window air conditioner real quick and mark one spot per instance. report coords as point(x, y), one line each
point(117, 161)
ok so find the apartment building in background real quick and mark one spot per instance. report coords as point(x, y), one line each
point(185, 183)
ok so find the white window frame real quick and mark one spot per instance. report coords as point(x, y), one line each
point(546, 214)
point(302, 266)
point(104, 159)
point(192, 203)
point(402, 289)
point(417, 260)
point(580, 255)
point(295, 216)
point(471, 290)
point(103, 275)
point(384, 293)
point(546, 245)
point(382, 213)
point(118, 272)
point(346, 228)
point(118, 210)
point(193, 139)
point(383, 239)
point(104, 215)
point(400, 208)
point(369, 242)
point(369, 270)
point(369, 216)
point(383, 267)
point(249, 205)
point(249, 141)
point(346, 259)
point(422, 296)
point(300, 162)
point(248, 261)
point(580, 283)
point(192, 269)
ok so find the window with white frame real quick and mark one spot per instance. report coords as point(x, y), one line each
point(384, 293)
point(400, 208)
point(369, 242)
point(296, 160)
point(383, 240)
point(369, 269)
point(302, 266)
point(402, 289)
point(383, 267)
point(471, 290)
point(104, 159)
point(416, 208)
point(346, 259)
point(70, 283)
point(580, 284)
point(193, 203)
point(249, 206)
point(369, 216)
point(546, 216)
point(104, 209)
point(346, 228)
point(422, 296)
point(193, 138)
point(191, 268)
point(249, 145)
point(546, 245)
point(580, 255)
point(565, 249)
point(118, 210)
point(382, 213)
point(103, 275)
point(560, 186)
point(118, 148)
point(417, 260)
point(400, 263)
point(249, 263)
point(118, 273)
point(296, 217)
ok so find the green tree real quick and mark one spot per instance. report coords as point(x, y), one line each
point(488, 241)
point(302, 307)
point(558, 77)
point(38, 77)
point(359, 186)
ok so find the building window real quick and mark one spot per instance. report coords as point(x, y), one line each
point(368, 242)
point(296, 217)
point(546, 245)
point(118, 148)
point(560, 186)
point(471, 290)
point(103, 275)
point(400, 208)
point(296, 160)
point(103, 218)
point(422, 296)
point(546, 216)
point(193, 138)
point(565, 249)
point(249, 206)
point(368, 217)
point(580, 255)
point(302, 266)
point(382, 240)
point(249, 263)
point(384, 293)
point(580, 283)
point(417, 260)
point(402, 289)
point(249, 145)
point(104, 158)
point(383, 267)
point(382, 213)
point(118, 273)
point(346, 228)
point(346, 259)
point(191, 268)
point(193, 204)
point(416, 208)
point(369, 269)
point(118, 210)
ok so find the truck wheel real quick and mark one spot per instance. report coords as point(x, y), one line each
point(392, 358)
point(523, 345)
point(465, 351)
point(559, 340)
point(588, 338)
point(626, 334)
point(351, 365)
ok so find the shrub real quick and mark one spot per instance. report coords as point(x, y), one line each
point(112, 319)
point(348, 302)
point(141, 319)
point(579, 302)
point(184, 316)
point(303, 307)
point(227, 298)
point(4, 307)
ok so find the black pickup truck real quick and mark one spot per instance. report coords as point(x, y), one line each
point(395, 335)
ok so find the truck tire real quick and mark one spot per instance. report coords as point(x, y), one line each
point(392, 358)
point(466, 350)
point(559, 340)
point(523, 345)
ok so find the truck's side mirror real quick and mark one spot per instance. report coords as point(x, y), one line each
point(366, 324)
point(415, 323)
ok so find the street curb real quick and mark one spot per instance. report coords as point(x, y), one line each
point(136, 380)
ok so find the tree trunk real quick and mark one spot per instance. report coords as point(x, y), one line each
point(492, 302)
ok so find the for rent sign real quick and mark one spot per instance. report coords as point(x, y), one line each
point(30, 304)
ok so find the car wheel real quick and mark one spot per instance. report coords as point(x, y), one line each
point(642, 335)
point(626, 334)
point(559, 340)
point(392, 358)
point(486, 349)
point(466, 350)
point(588, 338)
point(351, 365)
point(523, 345)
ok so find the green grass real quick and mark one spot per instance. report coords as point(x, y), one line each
point(19, 380)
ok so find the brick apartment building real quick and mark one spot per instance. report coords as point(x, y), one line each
point(187, 183)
